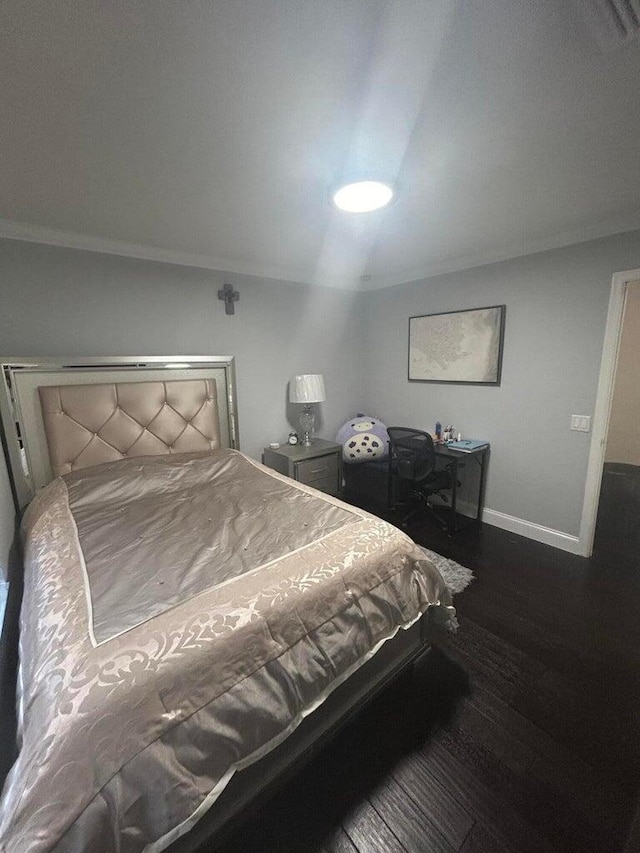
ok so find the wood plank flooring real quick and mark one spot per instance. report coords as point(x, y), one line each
point(617, 524)
point(519, 734)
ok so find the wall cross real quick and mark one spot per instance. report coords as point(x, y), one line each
point(230, 296)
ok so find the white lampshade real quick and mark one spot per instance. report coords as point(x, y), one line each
point(307, 388)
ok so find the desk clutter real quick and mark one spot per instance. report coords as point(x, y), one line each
point(448, 434)
point(456, 442)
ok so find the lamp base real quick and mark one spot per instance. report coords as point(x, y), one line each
point(307, 421)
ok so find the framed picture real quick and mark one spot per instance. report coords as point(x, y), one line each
point(457, 346)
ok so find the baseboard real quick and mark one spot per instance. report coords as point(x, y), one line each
point(548, 535)
point(538, 532)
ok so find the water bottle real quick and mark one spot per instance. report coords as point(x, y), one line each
point(438, 430)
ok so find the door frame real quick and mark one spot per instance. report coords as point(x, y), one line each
point(602, 411)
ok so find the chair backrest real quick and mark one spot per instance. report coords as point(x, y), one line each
point(412, 452)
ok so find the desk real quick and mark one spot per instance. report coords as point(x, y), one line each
point(448, 515)
point(456, 458)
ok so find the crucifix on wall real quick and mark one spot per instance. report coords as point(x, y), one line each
point(230, 296)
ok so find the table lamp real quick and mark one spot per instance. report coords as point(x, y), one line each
point(307, 389)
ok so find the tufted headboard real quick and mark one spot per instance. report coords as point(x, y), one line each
point(89, 424)
point(59, 415)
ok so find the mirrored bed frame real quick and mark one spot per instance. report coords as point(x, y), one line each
point(25, 445)
point(23, 426)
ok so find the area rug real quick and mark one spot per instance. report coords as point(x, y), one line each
point(455, 576)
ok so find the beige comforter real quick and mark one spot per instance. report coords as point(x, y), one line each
point(181, 615)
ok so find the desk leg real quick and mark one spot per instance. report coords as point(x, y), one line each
point(454, 499)
point(483, 468)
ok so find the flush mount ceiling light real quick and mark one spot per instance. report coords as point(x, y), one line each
point(362, 196)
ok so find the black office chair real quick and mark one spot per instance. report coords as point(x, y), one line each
point(412, 462)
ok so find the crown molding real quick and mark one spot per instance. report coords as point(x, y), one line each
point(596, 231)
point(26, 232)
point(13, 230)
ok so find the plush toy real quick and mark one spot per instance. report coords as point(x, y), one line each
point(363, 438)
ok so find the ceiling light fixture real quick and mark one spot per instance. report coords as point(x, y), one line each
point(362, 196)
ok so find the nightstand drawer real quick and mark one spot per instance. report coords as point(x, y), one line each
point(310, 471)
point(325, 484)
point(317, 465)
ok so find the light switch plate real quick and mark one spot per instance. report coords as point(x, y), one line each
point(581, 423)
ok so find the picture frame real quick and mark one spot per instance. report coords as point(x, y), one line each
point(457, 347)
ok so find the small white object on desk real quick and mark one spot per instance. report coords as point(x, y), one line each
point(274, 445)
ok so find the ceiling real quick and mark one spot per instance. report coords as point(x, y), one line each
point(210, 133)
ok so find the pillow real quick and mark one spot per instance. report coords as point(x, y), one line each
point(363, 438)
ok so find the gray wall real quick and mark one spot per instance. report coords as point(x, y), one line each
point(65, 302)
point(556, 310)
point(70, 303)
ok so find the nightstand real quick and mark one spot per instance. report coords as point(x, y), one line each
point(317, 466)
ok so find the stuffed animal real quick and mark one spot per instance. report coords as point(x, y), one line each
point(363, 438)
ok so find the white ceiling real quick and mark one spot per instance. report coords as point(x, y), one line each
point(211, 132)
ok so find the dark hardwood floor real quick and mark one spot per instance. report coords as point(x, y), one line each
point(617, 526)
point(519, 734)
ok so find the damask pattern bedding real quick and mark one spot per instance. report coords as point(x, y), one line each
point(181, 616)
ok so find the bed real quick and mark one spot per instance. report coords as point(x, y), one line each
point(192, 621)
